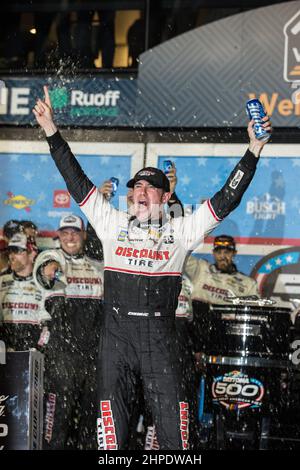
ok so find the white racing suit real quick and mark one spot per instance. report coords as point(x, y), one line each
point(75, 305)
point(211, 286)
point(142, 275)
point(23, 318)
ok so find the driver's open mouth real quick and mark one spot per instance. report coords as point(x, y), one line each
point(142, 203)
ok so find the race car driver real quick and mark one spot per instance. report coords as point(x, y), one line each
point(144, 256)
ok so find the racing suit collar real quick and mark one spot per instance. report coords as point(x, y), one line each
point(68, 256)
point(22, 278)
point(150, 229)
point(232, 270)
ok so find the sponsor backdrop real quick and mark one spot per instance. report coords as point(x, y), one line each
point(77, 102)
point(266, 221)
point(268, 217)
point(32, 188)
point(198, 79)
point(201, 78)
point(204, 77)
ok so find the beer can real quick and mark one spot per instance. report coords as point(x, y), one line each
point(115, 184)
point(255, 111)
point(167, 166)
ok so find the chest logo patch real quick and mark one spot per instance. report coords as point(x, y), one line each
point(122, 235)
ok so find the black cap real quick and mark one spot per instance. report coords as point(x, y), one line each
point(11, 228)
point(224, 241)
point(18, 242)
point(28, 224)
point(155, 176)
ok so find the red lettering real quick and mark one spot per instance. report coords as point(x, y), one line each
point(110, 438)
point(105, 406)
point(82, 280)
point(144, 253)
point(216, 290)
point(108, 421)
point(15, 305)
point(184, 424)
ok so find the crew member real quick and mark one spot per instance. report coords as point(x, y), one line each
point(73, 284)
point(23, 318)
point(214, 284)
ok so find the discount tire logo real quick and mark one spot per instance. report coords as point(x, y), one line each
point(236, 390)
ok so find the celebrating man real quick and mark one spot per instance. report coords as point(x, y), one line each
point(144, 253)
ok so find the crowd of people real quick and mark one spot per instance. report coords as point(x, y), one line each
point(119, 325)
point(52, 301)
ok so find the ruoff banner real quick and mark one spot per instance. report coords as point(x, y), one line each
point(204, 77)
point(93, 101)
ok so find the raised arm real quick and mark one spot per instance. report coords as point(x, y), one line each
point(77, 182)
point(197, 226)
point(174, 203)
point(229, 197)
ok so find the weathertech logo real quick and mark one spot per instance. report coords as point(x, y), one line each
point(291, 49)
point(106, 432)
point(184, 424)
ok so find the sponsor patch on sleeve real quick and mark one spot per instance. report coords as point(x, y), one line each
point(236, 179)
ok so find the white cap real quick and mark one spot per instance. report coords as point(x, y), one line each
point(71, 221)
point(19, 240)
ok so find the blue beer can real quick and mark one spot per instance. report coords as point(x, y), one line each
point(115, 184)
point(167, 166)
point(255, 111)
